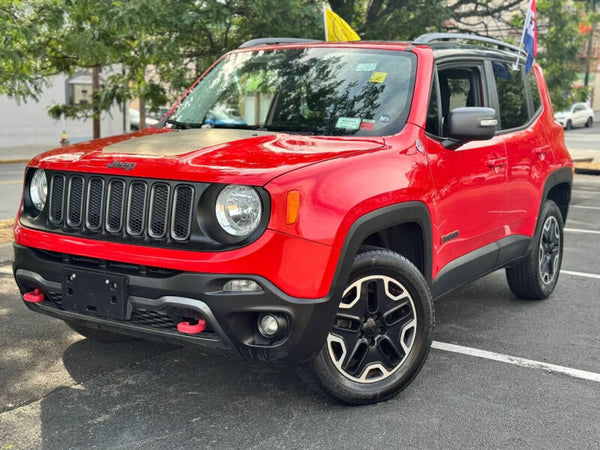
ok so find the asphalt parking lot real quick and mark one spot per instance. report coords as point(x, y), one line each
point(58, 390)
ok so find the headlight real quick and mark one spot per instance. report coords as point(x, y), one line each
point(38, 189)
point(238, 210)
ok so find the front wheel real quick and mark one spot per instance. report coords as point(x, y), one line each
point(589, 122)
point(382, 332)
point(569, 125)
point(535, 277)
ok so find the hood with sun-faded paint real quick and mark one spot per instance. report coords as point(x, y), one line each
point(210, 155)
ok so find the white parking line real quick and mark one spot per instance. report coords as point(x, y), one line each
point(585, 191)
point(585, 207)
point(552, 368)
point(580, 274)
point(579, 230)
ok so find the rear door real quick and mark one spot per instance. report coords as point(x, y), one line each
point(470, 179)
point(517, 101)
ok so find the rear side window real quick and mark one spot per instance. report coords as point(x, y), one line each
point(535, 91)
point(512, 98)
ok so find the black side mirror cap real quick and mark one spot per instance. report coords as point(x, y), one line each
point(472, 124)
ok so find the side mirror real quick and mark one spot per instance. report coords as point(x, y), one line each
point(472, 124)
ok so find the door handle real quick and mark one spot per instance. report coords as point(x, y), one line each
point(541, 151)
point(497, 162)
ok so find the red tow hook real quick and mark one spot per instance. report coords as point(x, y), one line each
point(187, 328)
point(35, 296)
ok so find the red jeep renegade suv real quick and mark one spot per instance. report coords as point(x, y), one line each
point(307, 201)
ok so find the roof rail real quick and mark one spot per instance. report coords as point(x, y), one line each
point(274, 41)
point(441, 37)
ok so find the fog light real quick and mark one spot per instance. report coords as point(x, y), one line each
point(272, 326)
point(242, 286)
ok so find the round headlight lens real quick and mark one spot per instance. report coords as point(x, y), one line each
point(38, 189)
point(238, 210)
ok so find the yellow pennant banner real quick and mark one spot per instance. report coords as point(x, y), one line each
point(337, 29)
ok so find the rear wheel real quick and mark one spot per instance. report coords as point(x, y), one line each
point(589, 122)
point(382, 332)
point(96, 334)
point(535, 277)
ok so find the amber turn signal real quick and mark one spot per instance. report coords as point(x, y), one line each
point(293, 205)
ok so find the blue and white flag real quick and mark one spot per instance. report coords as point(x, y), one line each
point(530, 35)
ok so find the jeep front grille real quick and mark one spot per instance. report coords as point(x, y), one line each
point(131, 210)
point(121, 207)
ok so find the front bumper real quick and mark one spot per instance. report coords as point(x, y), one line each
point(158, 298)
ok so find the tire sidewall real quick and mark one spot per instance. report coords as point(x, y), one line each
point(550, 209)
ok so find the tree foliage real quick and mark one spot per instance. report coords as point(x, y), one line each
point(561, 43)
point(153, 49)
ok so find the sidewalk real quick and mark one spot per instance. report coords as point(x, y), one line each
point(24, 154)
point(20, 154)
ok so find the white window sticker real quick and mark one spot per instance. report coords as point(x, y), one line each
point(366, 67)
point(348, 123)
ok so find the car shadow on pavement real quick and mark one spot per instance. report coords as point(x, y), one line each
point(188, 394)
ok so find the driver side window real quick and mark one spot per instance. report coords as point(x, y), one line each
point(458, 87)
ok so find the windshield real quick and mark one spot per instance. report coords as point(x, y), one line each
point(325, 91)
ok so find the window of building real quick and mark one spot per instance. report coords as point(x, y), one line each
point(79, 89)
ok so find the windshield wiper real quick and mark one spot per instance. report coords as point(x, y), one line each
point(237, 126)
point(291, 129)
point(181, 125)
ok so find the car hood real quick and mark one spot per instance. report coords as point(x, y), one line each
point(210, 155)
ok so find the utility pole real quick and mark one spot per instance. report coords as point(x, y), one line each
point(96, 112)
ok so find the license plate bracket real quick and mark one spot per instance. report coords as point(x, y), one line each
point(94, 293)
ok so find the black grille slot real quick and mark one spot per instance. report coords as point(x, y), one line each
point(182, 213)
point(154, 319)
point(75, 202)
point(114, 207)
point(159, 203)
point(57, 199)
point(95, 199)
point(136, 208)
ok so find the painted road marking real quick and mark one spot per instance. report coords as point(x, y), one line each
point(581, 274)
point(585, 207)
point(12, 182)
point(552, 368)
point(579, 230)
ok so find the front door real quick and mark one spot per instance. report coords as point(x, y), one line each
point(471, 179)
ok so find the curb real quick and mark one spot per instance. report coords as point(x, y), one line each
point(587, 171)
point(15, 161)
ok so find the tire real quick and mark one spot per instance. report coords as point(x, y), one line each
point(589, 122)
point(535, 277)
point(96, 334)
point(386, 316)
point(569, 125)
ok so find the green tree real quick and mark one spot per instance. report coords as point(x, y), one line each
point(177, 39)
point(560, 42)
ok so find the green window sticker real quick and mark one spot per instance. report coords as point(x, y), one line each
point(348, 123)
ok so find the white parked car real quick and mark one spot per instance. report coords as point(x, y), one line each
point(578, 115)
point(134, 120)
